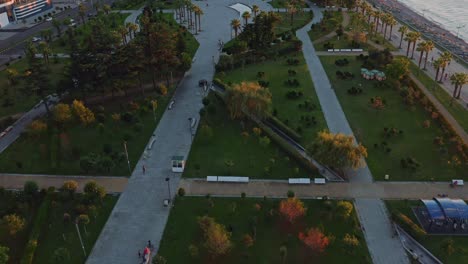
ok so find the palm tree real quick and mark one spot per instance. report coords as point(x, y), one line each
point(106, 9)
point(235, 24)
point(437, 64)
point(408, 39)
point(45, 50)
point(422, 47)
point(246, 16)
point(415, 37)
point(292, 10)
point(429, 47)
point(377, 16)
point(82, 12)
point(255, 10)
point(458, 79)
point(56, 23)
point(446, 58)
point(392, 22)
point(384, 24)
point(403, 30)
point(199, 13)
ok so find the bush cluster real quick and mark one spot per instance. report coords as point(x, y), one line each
point(293, 94)
point(341, 62)
point(344, 75)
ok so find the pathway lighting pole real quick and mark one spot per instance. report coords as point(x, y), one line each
point(168, 188)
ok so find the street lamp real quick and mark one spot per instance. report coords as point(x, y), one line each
point(168, 188)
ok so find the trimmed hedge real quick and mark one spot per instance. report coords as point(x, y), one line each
point(284, 128)
point(417, 232)
point(39, 222)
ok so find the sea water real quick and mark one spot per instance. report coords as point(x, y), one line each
point(449, 14)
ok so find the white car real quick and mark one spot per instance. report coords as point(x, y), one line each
point(73, 24)
point(36, 39)
point(48, 19)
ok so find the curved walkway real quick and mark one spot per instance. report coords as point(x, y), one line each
point(344, 24)
point(371, 212)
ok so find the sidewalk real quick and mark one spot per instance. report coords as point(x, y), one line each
point(373, 217)
point(347, 190)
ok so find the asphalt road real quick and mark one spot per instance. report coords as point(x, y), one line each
point(16, 44)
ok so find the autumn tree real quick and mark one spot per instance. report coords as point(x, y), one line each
point(248, 97)
point(292, 209)
point(315, 240)
point(62, 113)
point(338, 150)
point(37, 127)
point(350, 241)
point(84, 114)
point(13, 223)
point(344, 209)
point(94, 192)
point(247, 240)
point(69, 188)
point(217, 239)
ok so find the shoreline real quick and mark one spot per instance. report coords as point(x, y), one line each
point(429, 29)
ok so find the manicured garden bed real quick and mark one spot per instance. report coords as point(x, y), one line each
point(379, 130)
point(276, 241)
point(306, 120)
point(230, 147)
point(434, 243)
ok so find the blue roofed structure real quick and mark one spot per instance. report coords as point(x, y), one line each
point(434, 210)
point(446, 208)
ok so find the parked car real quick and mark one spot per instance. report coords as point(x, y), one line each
point(36, 39)
point(48, 19)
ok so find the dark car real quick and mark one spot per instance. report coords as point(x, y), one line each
point(202, 83)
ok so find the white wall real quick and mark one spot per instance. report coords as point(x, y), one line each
point(3, 19)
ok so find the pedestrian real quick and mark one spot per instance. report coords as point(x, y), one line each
point(139, 254)
point(149, 244)
point(446, 74)
point(144, 169)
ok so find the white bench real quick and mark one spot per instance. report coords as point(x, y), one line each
point(319, 180)
point(336, 50)
point(150, 145)
point(347, 50)
point(457, 182)
point(358, 50)
point(211, 178)
point(299, 181)
point(233, 179)
point(330, 50)
point(171, 104)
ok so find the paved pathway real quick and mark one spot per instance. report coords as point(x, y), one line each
point(371, 212)
point(348, 190)
point(16, 181)
point(139, 215)
point(344, 24)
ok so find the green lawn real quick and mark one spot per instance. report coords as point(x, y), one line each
point(59, 234)
point(458, 112)
point(209, 154)
point(288, 110)
point(281, 3)
point(12, 99)
point(343, 43)
point(433, 242)
point(299, 20)
point(368, 125)
point(272, 232)
point(128, 4)
point(327, 25)
point(54, 154)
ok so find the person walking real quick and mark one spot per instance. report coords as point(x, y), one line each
point(144, 169)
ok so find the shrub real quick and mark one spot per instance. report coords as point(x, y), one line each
point(407, 224)
point(162, 89)
point(30, 188)
point(181, 192)
point(290, 194)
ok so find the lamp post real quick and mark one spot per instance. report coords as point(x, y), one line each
point(168, 188)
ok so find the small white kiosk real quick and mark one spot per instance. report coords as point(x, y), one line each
point(178, 163)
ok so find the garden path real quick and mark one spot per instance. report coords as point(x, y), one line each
point(344, 24)
point(371, 212)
